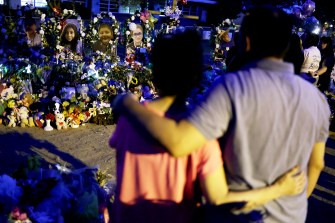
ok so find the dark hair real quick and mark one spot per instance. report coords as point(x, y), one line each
point(329, 48)
point(294, 53)
point(268, 29)
point(311, 39)
point(28, 23)
point(177, 63)
point(74, 42)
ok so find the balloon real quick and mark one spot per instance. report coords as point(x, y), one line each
point(308, 7)
point(297, 11)
point(312, 25)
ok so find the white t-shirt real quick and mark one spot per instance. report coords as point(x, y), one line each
point(312, 58)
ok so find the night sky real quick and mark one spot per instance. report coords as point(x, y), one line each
point(324, 9)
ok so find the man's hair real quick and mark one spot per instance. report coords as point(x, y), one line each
point(28, 23)
point(177, 63)
point(311, 39)
point(269, 30)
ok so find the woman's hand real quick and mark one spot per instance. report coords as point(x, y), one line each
point(292, 182)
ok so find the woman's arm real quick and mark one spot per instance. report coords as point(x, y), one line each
point(215, 189)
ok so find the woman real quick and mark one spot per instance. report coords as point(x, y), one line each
point(136, 43)
point(70, 39)
point(326, 63)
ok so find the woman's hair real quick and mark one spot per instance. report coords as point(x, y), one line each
point(74, 42)
point(294, 53)
point(177, 63)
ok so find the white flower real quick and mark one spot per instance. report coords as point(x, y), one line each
point(217, 46)
point(110, 14)
point(82, 34)
point(110, 41)
point(59, 47)
point(127, 32)
point(42, 32)
point(65, 11)
point(147, 26)
point(116, 30)
point(59, 27)
point(53, 20)
point(146, 21)
point(227, 21)
point(94, 31)
point(148, 44)
point(42, 17)
point(113, 17)
point(79, 18)
point(99, 16)
point(132, 18)
point(95, 20)
point(132, 26)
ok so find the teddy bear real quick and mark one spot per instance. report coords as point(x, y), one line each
point(12, 119)
point(60, 121)
point(23, 117)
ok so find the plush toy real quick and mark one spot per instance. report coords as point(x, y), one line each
point(23, 117)
point(26, 99)
point(38, 119)
point(8, 93)
point(12, 119)
point(60, 121)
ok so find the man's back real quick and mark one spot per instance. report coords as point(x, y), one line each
point(275, 120)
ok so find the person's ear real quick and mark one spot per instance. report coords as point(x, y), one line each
point(247, 44)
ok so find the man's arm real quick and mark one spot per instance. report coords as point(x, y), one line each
point(315, 166)
point(179, 138)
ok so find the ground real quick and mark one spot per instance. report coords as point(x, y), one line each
point(75, 148)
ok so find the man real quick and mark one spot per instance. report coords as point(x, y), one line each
point(268, 119)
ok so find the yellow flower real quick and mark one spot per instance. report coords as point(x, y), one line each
point(134, 80)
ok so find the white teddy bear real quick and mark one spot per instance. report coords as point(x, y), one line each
point(60, 121)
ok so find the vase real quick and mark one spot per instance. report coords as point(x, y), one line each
point(48, 127)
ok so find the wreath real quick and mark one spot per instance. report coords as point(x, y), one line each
point(220, 35)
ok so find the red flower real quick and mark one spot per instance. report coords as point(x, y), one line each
point(50, 117)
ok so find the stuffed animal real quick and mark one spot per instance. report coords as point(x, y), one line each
point(38, 119)
point(60, 121)
point(12, 119)
point(23, 117)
